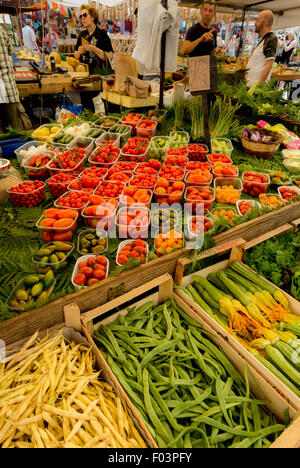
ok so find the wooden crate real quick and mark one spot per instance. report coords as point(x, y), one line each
point(237, 254)
point(75, 335)
point(260, 387)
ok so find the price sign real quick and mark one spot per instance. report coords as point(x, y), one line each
point(199, 74)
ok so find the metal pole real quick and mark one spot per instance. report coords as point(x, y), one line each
point(240, 42)
point(162, 62)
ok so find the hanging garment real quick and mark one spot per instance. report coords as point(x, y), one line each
point(153, 20)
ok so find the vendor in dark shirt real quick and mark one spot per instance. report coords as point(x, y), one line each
point(93, 48)
point(201, 39)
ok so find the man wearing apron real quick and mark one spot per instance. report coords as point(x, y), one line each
point(263, 56)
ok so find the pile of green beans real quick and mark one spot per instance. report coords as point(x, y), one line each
point(186, 390)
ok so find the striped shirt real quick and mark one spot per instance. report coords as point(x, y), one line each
point(6, 68)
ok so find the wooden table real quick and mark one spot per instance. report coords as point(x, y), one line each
point(54, 84)
point(286, 76)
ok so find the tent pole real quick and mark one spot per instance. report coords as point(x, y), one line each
point(162, 62)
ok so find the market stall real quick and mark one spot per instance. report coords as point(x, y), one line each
point(150, 282)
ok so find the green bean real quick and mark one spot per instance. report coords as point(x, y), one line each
point(133, 315)
point(162, 404)
point(168, 322)
point(151, 413)
point(160, 349)
point(184, 406)
point(221, 396)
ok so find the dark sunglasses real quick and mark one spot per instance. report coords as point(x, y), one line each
point(83, 16)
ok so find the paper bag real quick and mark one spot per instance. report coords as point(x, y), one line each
point(125, 66)
point(136, 88)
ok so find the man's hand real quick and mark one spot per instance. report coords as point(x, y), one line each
point(208, 37)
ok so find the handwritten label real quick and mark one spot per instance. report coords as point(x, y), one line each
point(199, 73)
point(218, 249)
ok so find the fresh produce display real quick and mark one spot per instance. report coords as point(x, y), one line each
point(92, 241)
point(92, 175)
point(33, 149)
point(170, 391)
point(144, 180)
point(32, 290)
point(288, 193)
point(132, 119)
point(158, 147)
point(71, 161)
point(257, 314)
point(167, 191)
point(180, 153)
point(172, 172)
point(227, 190)
point(27, 194)
point(175, 160)
point(255, 184)
point(221, 145)
point(197, 152)
point(168, 242)
point(78, 185)
point(135, 149)
point(199, 177)
point(109, 189)
point(58, 183)
point(179, 139)
point(123, 166)
point(152, 166)
point(192, 165)
point(219, 157)
point(75, 200)
point(198, 225)
point(53, 256)
point(136, 249)
point(123, 130)
point(199, 197)
point(46, 132)
point(35, 167)
point(120, 176)
point(146, 128)
point(223, 170)
point(77, 130)
point(271, 201)
point(164, 219)
point(228, 214)
point(100, 212)
point(133, 195)
point(90, 270)
point(133, 222)
point(105, 156)
point(57, 224)
point(277, 259)
point(279, 178)
point(106, 122)
point(247, 205)
point(92, 417)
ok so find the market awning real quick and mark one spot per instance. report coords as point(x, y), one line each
point(287, 12)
